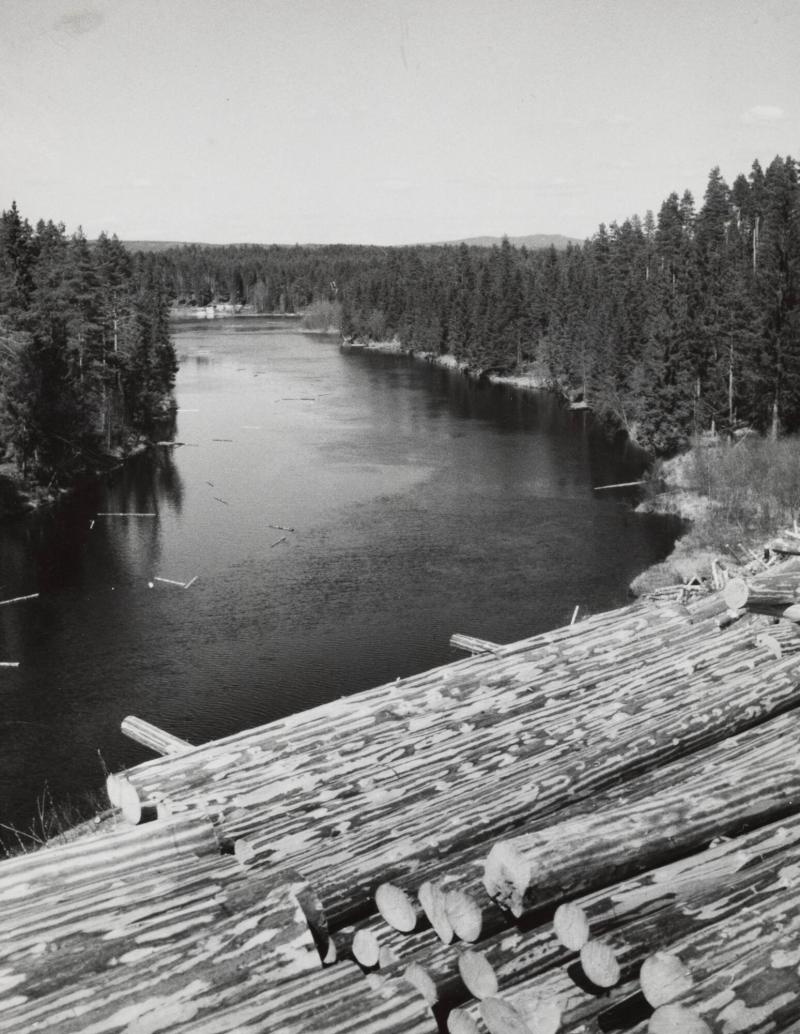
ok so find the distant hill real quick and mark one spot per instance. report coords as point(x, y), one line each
point(160, 245)
point(533, 242)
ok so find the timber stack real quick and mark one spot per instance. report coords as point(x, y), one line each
point(596, 829)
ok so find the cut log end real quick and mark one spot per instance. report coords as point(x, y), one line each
point(542, 1015)
point(663, 978)
point(366, 949)
point(600, 964)
point(571, 926)
point(463, 914)
point(459, 1021)
point(478, 974)
point(501, 1017)
point(419, 978)
point(735, 593)
point(432, 899)
point(507, 876)
point(396, 908)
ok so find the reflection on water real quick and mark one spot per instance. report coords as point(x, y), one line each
point(419, 503)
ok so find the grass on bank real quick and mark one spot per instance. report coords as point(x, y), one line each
point(737, 496)
point(54, 822)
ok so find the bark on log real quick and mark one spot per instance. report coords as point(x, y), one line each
point(336, 1000)
point(653, 893)
point(176, 971)
point(746, 980)
point(395, 840)
point(706, 925)
point(471, 644)
point(323, 727)
point(752, 779)
point(153, 738)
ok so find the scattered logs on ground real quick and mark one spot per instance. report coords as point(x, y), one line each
point(775, 593)
point(575, 759)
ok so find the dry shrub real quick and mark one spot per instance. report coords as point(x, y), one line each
point(753, 486)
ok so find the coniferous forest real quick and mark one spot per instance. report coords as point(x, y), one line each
point(86, 360)
point(668, 325)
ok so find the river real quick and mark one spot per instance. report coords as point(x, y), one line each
point(419, 503)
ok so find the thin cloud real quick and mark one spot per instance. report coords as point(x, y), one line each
point(79, 23)
point(761, 113)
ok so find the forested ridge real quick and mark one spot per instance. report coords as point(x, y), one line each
point(667, 324)
point(86, 360)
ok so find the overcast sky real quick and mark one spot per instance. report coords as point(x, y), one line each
point(384, 121)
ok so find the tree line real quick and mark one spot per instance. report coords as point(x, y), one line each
point(86, 359)
point(668, 324)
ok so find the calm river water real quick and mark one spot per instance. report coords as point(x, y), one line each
point(420, 504)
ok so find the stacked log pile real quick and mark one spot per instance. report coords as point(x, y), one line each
point(594, 829)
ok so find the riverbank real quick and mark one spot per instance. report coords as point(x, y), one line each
point(721, 532)
point(526, 381)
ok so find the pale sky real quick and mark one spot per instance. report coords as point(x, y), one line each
point(384, 121)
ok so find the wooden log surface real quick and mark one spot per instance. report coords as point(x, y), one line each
point(345, 854)
point(152, 737)
point(771, 590)
point(706, 869)
point(471, 644)
point(182, 965)
point(336, 1000)
point(326, 724)
point(293, 840)
point(122, 852)
point(751, 779)
point(698, 924)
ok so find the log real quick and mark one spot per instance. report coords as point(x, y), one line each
point(785, 545)
point(746, 979)
point(471, 644)
point(711, 919)
point(620, 484)
point(152, 737)
point(661, 723)
point(649, 891)
point(752, 778)
point(176, 971)
point(19, 599)
point(335, 1000)
point(324, 726)
point(768, 592)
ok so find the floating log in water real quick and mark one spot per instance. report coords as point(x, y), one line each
point(620, 484)
point(9, 664)
point(19, 599)
point(150, 736)
point(128, 514)
point(190, 583)
point(169, 581)
point(279, 527)
point(277, 542)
